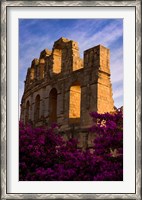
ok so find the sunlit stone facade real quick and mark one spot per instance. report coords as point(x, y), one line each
point(61, 87)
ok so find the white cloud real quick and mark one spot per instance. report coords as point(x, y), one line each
point(106, 36)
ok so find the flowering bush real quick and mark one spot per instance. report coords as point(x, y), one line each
point(45, 156)
point(108, 145)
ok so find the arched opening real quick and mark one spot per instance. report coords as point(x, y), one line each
point(75, 104)
point(37, 108)
point(27, 112)
point(53, 106)
point(57, 60)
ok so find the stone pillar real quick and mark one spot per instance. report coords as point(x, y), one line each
point(76, 60)
point(105, 101)
point(88, 104)
point(43, 92)
point(97, 59)
point(65, 122)
point(60, 111)
point(32, 108)
point(57, 60)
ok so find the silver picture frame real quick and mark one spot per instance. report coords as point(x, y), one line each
point(124, 3)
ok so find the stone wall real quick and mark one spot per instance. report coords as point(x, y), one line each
point(69, 87)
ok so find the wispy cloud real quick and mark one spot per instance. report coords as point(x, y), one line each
point(107, 35)
point(36, 35)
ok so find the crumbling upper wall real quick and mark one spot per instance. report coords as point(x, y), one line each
point(98, 57)
point(65, 56)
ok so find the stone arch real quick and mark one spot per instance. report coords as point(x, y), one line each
point(37, 108)
point(53, 105)
point(27, 113)
point(75, 103)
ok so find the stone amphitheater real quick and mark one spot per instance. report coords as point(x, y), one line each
point(63, 88)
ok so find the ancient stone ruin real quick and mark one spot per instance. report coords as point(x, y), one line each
point(61, 87)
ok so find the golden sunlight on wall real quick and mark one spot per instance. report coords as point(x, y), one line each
point(32, 74)
point(75, 101)
point(57, 60)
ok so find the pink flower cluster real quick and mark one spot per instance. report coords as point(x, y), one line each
point(45, 156)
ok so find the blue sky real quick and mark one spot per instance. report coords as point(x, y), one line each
point(38, 34)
